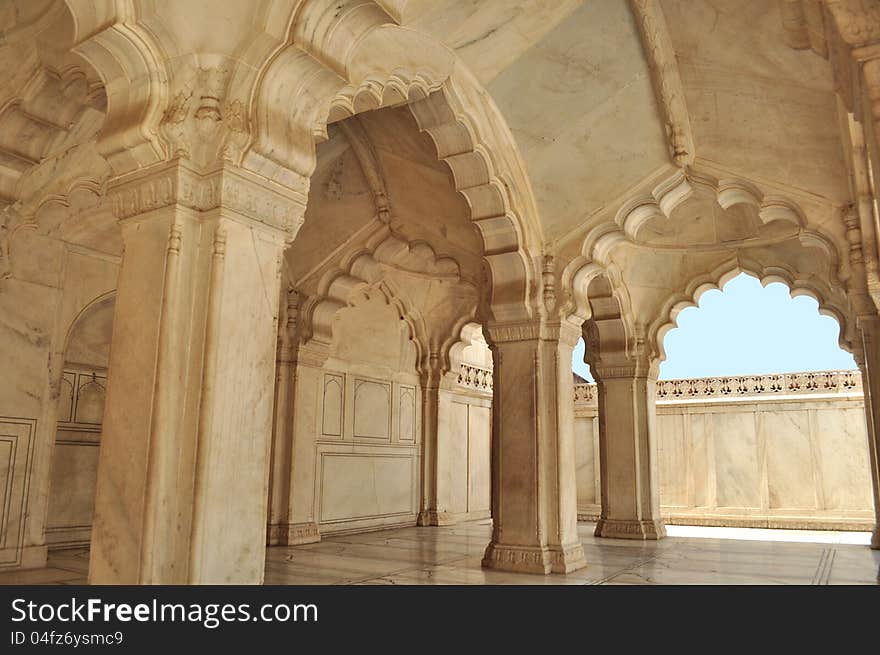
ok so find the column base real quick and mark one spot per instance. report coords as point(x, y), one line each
point(431, 517)
point(626, 529)
point(534, 559)
point(875, 537)
point(292, 534)
point(565, 559)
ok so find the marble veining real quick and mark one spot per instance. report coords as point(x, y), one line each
point(451, 556)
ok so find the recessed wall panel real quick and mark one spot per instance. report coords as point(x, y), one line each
point(372, 409)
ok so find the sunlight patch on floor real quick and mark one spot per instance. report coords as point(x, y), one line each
point(763, 534)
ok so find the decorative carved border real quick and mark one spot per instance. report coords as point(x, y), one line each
point(842, 383)
point(817, 382)
point(585, 394)
point(258, 200)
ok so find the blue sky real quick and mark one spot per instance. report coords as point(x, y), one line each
point(747, 329)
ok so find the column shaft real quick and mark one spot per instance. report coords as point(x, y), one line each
point(628, 454)
point(870, 329)
point(183, 472)
point(432, 511)
point(534, 495)
point(292, 480)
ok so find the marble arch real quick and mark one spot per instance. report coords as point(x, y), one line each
point(326, 77)
point(671, 193)
point(96, 304)
point(577, 281)
point(376, 267)
point(831, 299)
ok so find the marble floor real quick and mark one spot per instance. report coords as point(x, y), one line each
point(451, 555)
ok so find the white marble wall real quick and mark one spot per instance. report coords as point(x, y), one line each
point(366, 450)
point(463, 434)
point(81, 397)
point(51, 284)
point(790, 461)
point(355, 459)
point(75, 460)
point(16, 458)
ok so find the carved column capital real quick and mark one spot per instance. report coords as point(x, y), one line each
point(431, 371)
point(638, 364)
point(636, 359)
point(287, 329)
point(543, 330)
point(632, 369)
point(231, 191)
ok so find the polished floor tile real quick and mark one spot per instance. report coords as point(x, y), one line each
point(451, 556)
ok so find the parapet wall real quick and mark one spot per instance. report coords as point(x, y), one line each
point(783, 450)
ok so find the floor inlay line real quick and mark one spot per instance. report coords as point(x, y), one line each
point(823, 571)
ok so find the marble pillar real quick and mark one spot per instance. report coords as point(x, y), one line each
point(292, 518)
point(534, 495)
point(186, 435)
point(870, 329)
point(431, 511)
point(628, 451)
point(292, 475)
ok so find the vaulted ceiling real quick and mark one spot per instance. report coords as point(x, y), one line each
point(576, 82)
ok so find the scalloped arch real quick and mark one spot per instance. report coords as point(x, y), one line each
point(325, 62)
point(130, 62)
point(363, 268)
point(414, 323)
point(669, 194)
point(320, 78)
point(831, 302)
point(576, 280)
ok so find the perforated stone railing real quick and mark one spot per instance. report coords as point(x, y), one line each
point(773, 384)
point(742, 386)
point(745, 386)
point(585, 393)
point(475, 377)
